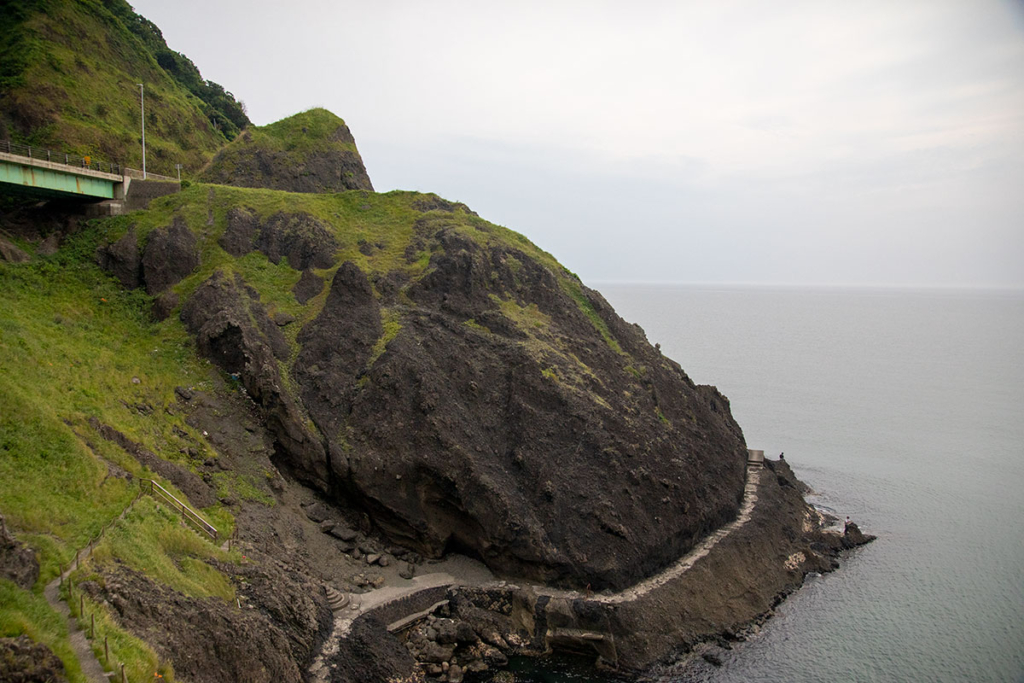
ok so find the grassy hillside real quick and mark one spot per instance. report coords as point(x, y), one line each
point(75, 345)
point(69, 81)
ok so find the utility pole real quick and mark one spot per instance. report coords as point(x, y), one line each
point(142, 99)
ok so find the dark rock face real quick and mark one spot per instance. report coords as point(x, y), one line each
point(333, 165)
point(12, 254)
point(322, 171)
point(336, 347)
point(240, 236)
point(272, 642)
point(599, 472)
point(233, 330)
point(308, 286)
point(170, 255)
point(122, 260)
point(300, 238)
point(24, 661)
point(853, 536)
point(17, 562)
point(369, 653)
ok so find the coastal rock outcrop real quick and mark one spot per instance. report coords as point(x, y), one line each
point(491, 404)
point(501, 416)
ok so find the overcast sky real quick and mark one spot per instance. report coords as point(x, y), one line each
point(781, 142)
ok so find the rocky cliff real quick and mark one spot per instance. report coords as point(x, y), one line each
point(448, 378)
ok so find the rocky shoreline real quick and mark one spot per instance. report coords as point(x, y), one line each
point(721, 598)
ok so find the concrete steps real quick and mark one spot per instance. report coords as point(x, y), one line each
point(337, 600)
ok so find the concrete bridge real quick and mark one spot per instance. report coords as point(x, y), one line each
point(52, 174)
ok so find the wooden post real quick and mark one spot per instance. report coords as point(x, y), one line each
point(81, 605)
point(123, 678)
point(76, 560)
point(106, 651)
point(92, 626)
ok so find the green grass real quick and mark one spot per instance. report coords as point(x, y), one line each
point(141, 662)
point(473, 324)
point(151, 540)
point(390, 323)
point(71, 343)
point(27, 613)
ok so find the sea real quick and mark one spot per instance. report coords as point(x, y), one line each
point(901, 408)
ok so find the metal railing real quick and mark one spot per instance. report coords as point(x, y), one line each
point(136, 174)
point(187, 514)
point(64, 158)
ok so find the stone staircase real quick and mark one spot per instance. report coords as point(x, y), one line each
point(339, 601)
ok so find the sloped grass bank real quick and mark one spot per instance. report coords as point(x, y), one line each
point(27, 613)
point(74, 345)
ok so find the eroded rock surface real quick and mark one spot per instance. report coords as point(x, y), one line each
point(122, 259)
point(299, 238)
point(284, 617)
point(310, 152)
point(18, 563)
point(24, 661)
point(171, 253)
point(233, 330)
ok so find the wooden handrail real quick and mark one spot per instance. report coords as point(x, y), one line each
point(187, 513)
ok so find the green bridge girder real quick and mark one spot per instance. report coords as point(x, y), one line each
point(59, 179)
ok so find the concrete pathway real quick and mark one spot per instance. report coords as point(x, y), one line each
point(91, 666)
point(361, 604)
point(368, 602)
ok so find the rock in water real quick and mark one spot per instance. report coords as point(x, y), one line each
point(853, 536)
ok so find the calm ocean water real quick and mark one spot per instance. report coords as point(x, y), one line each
point(905, 410)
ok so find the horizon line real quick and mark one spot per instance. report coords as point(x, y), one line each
point(818, 285)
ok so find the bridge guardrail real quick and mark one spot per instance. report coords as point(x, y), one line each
point(136, 174)
point(60, 157)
